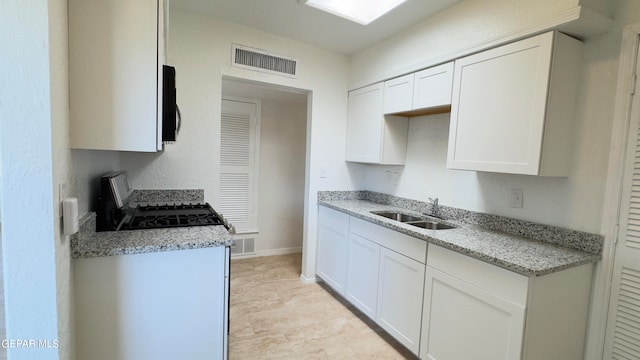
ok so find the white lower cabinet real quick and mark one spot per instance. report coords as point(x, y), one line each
point(475, 310)
point(362, 274)
point(165, 305)
point(331, 253)
point(465, 322)
point(386, 278)
point(444, 305)
point(400, 286)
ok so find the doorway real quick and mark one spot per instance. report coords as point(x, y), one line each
point(280, 167)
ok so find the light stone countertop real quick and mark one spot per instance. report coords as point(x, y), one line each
point(512, 252)
point(88, 243)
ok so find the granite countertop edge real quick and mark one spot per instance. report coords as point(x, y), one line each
point(88, 243)
point(512, 252)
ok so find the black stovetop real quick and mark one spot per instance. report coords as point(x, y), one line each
point(164, 216)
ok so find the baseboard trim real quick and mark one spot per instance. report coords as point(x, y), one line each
point(308, 280)
point(270, 252)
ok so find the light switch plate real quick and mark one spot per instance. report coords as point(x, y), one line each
point(323, 172)
point(62, 194)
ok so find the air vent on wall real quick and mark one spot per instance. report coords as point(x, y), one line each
point(264, 61)
point(244, 246)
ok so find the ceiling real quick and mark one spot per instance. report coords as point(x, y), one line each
point(292, 20)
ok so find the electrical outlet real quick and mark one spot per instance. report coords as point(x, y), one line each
point(395, 176)
point(389, 177)
point(516, 198)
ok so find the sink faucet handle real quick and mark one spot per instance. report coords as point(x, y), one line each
point(434, 206)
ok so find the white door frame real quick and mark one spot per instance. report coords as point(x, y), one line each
point(601, 290)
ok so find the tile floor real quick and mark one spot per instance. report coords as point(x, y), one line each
point(276, 316)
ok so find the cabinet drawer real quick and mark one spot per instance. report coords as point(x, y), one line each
point(333, 219)
point(500, 282)
point(406, 245)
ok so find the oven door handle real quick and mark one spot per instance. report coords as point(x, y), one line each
point(179, 119)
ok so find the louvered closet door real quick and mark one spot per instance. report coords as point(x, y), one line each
point(623, 324)
point(238, 164)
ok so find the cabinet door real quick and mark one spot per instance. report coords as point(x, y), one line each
point(148, 306)
point(331, 260)
point(373, 137)
point(362, 274)
point(398, 94)
point(461, 321)
point(400, 291)
point(432, 87)
point(364, 125)
point(113, 74)
point(498, 108)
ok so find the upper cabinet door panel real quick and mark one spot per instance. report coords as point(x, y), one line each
point(499, 106)
point(398, 94)
point(113, 74)
point(373, 137)
point(503, 115)
point(364, 127)
point(432, 87)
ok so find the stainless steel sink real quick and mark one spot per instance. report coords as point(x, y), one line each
point(393, 215)
point(431, 225)
point(417, 221)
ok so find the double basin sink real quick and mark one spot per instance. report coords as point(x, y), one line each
point(417, 221)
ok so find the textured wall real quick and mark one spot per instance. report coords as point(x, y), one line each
point(461, 26)
point(58, 52)
point(29, 247)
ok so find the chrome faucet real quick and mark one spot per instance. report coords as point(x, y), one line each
point(434, 207)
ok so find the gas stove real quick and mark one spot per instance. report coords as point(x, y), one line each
point(114, 212)
point(171, 215)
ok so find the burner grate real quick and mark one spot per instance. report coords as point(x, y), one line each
point(169, 215)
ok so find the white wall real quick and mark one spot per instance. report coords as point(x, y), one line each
point(574, 202)
point(28, 110)
point(61, 156)
point(282, 172)
point(200, 48)
point(459, 27)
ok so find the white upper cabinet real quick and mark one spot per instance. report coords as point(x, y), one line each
point(432, 87)
point(513, 107)
point(116, 52)
point(398, 94)
point(373, 137)
point(426, 89)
